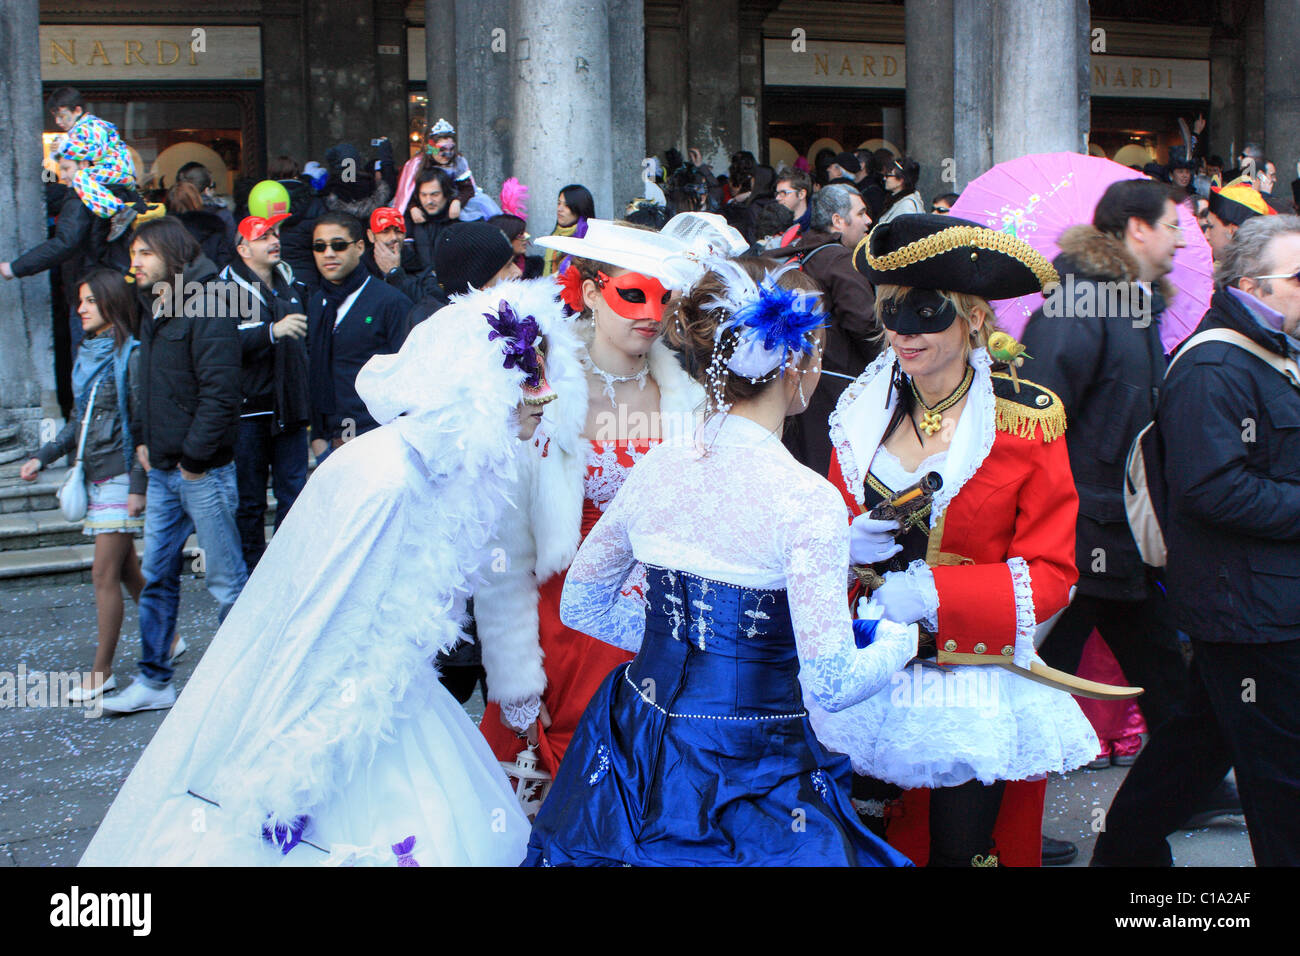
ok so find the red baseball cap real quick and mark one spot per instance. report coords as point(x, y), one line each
point(255, 227)
point(386, 217)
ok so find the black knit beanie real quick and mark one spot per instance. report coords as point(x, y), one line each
point(470, 254)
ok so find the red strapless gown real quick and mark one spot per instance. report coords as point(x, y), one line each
point(575, 663)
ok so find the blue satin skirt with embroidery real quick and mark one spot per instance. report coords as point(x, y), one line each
point(699, 752)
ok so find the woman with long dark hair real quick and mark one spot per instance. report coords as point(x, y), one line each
point(106, 365)
point(572, 210)
point(185, 202)
point(900, 182)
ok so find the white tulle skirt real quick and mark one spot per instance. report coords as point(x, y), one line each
point(943, 726)
point(434, 780)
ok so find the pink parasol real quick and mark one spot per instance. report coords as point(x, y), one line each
point(1037, 197)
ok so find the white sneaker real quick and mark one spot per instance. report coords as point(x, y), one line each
point(181, 648)
point(140, 696)
point(78, 695)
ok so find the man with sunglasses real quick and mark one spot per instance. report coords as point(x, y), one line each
point(350, 318)
point(1229, 423)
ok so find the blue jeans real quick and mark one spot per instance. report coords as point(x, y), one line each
point(176, 507)
point(256, 452)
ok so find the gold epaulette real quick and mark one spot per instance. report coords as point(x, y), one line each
point(1021, 412)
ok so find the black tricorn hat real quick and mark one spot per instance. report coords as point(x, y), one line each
point(944, 253)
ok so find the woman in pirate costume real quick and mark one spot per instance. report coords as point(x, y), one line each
point(991, 556)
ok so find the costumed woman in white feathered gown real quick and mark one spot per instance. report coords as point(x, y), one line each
point(315, 729)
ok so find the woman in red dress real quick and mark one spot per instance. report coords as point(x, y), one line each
point(540, 674)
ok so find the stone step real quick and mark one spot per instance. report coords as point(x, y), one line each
point(39, 495)
point(66, 564)
point(29, 530)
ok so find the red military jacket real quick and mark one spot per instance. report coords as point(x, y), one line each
point(1001, 546)
point(1002, 529)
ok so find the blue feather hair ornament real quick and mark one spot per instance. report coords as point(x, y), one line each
point(769, 324)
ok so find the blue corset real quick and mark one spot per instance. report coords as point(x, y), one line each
point(716, 650)
point(699, 752)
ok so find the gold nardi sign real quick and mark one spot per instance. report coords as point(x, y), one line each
point(83, 53)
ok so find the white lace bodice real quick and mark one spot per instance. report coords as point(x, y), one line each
point(605, 473)
point(737, 508)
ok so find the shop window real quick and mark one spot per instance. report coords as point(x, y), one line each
point(166, 130)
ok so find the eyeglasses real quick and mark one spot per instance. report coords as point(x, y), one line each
point(1295, 275)
point(940, 209)
point(338, 245)
point(1177, 229)
point(787, 192)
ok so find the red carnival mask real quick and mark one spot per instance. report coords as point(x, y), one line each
point(634, 296)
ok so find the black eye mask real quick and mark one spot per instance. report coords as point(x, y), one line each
point(921, 312)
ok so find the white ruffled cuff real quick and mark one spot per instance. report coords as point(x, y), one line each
point(1026, 624)
point(919, 573)
point(520, 714)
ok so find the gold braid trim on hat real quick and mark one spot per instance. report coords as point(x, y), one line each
point(956, 237)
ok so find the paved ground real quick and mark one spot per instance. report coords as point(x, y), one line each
point(60, 768)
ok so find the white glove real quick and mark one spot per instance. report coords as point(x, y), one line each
point(903, 596)
point(870, 540)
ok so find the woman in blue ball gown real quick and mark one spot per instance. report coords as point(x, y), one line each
point(699, 751)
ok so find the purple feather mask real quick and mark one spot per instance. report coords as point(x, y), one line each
point(523, 347)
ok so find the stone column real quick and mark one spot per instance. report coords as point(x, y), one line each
point(1254, 41)
point(391, 80)
point(972, 93)
point(713, 78)
point(1036, 96)
point(26, 337)
point(484, 135)
point(1227, 93)
point(440, 62)
point(1083, 56)
point(1282, 91)
point(627, 99)
point(666, 84)
point(561, 102)
point(928, 33)
point(284, 85)
point(341, 94)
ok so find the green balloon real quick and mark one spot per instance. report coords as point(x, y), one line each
point(268, 199)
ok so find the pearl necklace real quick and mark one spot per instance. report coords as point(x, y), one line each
point(610, 379)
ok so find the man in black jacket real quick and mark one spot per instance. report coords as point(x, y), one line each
point(350, 318)
point(276, 406)
point(430, 215)
point(1096, 343)
point(79, 244)
point(392, 259)
point(189, 419)
point(853, 335)
point(1229, 424)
